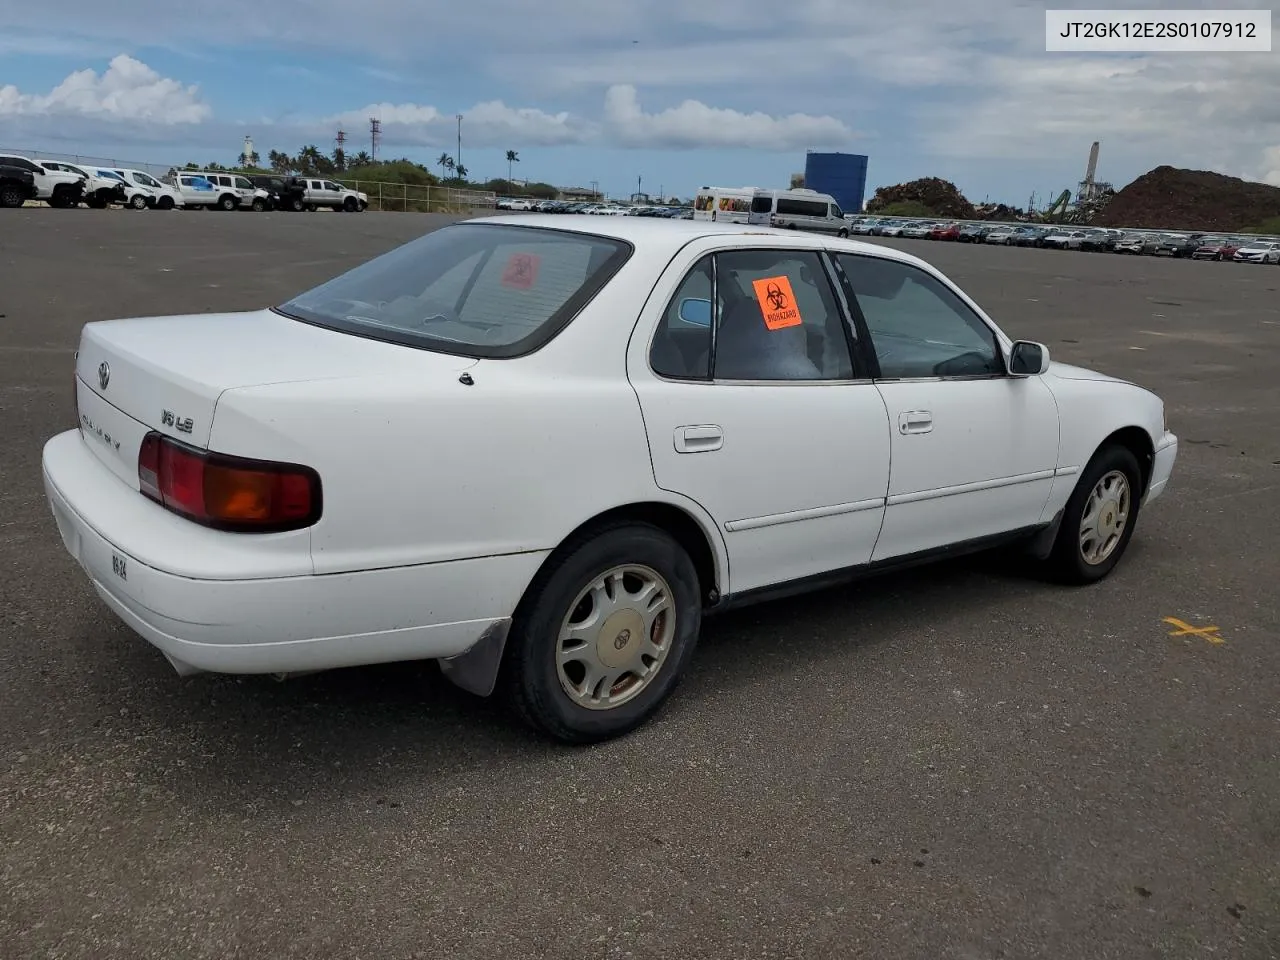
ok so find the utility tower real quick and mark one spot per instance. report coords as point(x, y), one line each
point(375, 134)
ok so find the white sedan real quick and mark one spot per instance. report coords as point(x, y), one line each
point(1259, 251)
point(540, 449)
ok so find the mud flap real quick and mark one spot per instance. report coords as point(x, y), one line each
point(476, 671)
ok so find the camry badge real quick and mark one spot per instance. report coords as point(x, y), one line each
point(104, 374)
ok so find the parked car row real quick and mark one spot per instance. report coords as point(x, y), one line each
point(606, 208)
point(1192, 246)
point(62, 184)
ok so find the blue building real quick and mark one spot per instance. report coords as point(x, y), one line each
point(843, 175)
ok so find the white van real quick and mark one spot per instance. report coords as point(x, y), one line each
point(732, 204)
point(800, 210)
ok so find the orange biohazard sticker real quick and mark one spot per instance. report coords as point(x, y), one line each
point(777, 303)
point(521, 271)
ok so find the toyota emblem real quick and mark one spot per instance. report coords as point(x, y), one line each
point(104, 374)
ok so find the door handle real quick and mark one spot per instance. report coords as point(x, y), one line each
point(915, 421)
point(699, 439)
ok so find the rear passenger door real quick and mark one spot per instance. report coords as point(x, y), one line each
point(756, 410)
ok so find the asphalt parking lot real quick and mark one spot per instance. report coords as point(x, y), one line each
point(959, 762)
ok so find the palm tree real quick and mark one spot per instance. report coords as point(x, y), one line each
point(462, 172)
point(362, 159)
point(444, 162)
point(512, 157)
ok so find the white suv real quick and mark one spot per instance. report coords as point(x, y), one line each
point(58, 188)
point(163, 196)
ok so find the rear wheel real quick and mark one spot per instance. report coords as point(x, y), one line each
point(165, 203)
point(227, 202)
point(1099, 519)
point(603, 635)
point(11, 196)
point(138, 202)
point(259, 204)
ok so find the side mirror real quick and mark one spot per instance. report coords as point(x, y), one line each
point(696, 312)
point(1028, 359)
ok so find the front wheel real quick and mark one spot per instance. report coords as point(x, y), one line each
point(1099, 519)
point(138, 202)
point(843, 234)
point(603, 635)
point(164, 203)
point(350, 204)
point(12, 196)
point(259, 205)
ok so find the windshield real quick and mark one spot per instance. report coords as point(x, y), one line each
point(482, 290)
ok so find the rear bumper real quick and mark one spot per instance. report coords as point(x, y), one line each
point(1166, 455)
point(279, 624)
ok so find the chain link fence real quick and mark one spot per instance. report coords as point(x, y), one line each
point(412, 198)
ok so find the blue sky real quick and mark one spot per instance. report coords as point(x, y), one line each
point(729, 93)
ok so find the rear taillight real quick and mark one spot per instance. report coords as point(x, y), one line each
point(227, 493)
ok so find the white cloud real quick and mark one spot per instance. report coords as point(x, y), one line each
point(694, 124)
point(127, 90)
point(489, 124)
point(691, 124)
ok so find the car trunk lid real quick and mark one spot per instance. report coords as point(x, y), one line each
point(167, 373)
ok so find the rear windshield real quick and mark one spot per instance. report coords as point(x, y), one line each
point(482, 290)
point(762, 204)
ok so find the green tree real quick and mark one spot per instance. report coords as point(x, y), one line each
point(362, 159)
point(461, 172)
point(445, 163)
point(512, 158)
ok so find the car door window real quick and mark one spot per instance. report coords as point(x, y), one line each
point(681, 347)
point(777, 318)
point(919, 328)
point(243, 183)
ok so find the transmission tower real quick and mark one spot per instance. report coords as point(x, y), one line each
point(375, 134)
point(341, 140)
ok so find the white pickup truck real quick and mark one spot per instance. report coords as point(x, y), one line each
point(58, 188)
point(327, 193)
point(197, 191)
point(251, 197)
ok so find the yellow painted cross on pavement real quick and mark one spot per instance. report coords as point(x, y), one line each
point(1182, 629)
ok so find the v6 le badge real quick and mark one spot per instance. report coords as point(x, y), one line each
point(181, 424)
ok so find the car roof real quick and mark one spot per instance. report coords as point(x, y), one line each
point(667, 237)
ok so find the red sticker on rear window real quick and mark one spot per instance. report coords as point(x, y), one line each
point(521, 271)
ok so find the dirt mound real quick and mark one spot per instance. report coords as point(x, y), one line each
point(940, 197)
point(1174, 199)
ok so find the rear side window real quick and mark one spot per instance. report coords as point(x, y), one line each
point(482, 290)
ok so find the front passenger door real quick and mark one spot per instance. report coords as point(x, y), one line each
point(974, 450)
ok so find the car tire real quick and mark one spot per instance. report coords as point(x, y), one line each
point(312, 207)
point(259, 205)
point(164, 203)
point(138, 202)
point(11, 196)
point(1111, 483)
point(350, 204)
point(227, 202)
point(536, 676)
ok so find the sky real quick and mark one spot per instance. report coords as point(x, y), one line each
point(663, 96)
